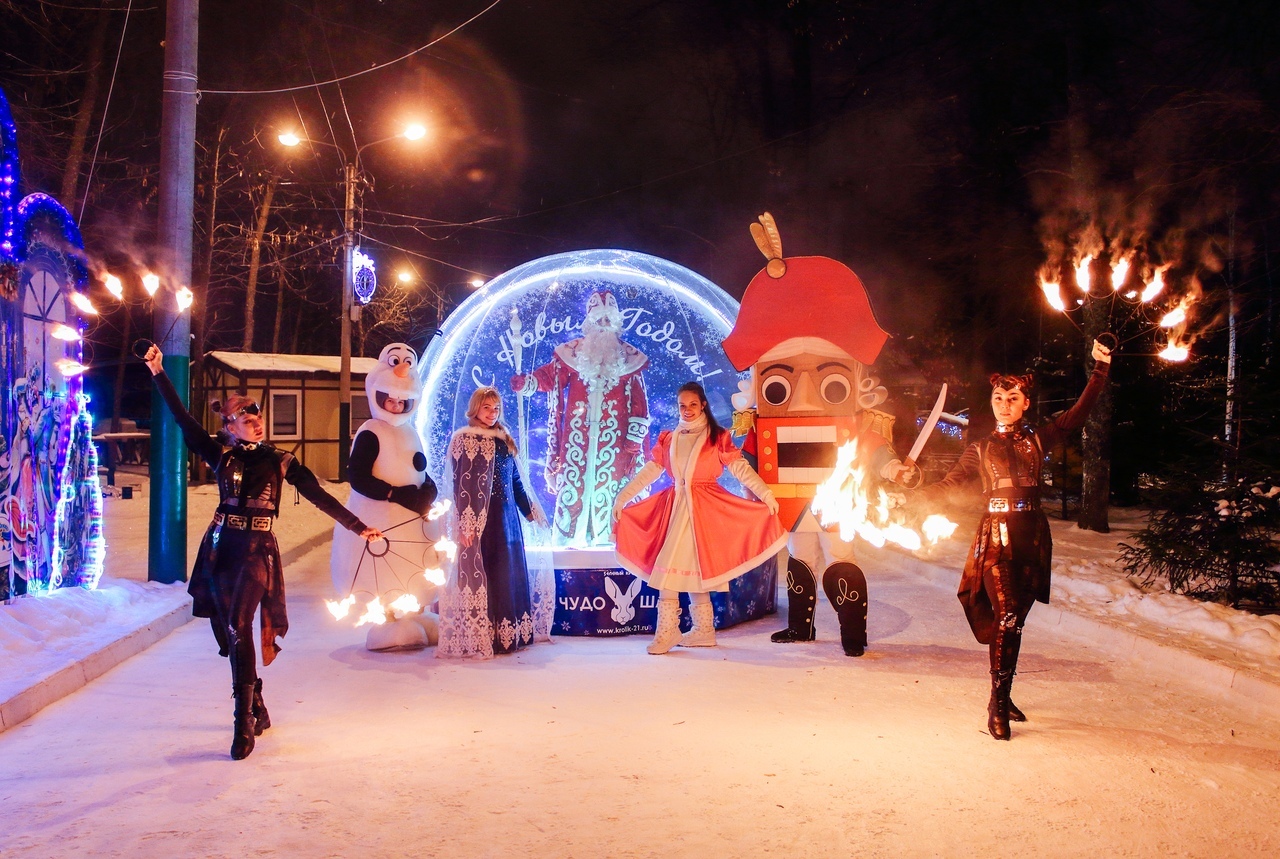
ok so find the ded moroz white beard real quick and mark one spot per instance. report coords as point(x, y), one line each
point(601, 359)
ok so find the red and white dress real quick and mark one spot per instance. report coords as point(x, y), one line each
point(695, 535)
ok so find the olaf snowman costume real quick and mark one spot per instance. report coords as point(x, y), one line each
point(387, 471)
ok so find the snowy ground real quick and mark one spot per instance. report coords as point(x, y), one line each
point(590, 747)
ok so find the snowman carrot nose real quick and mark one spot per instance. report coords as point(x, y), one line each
point(401, 369)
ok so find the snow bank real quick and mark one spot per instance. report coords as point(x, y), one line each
point(1101, 587)
point(40, 636)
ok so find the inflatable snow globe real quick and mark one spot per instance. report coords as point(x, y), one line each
point(587, 350)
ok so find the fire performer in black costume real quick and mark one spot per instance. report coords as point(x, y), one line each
point(1008, 567)
point(238, 566)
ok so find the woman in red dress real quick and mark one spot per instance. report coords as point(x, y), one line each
point(706, 534)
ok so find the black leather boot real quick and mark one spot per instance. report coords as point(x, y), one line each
point(242, 742)
point(1013, 644)
point(802, 601)
point(846, 589)
point(261, 718)
point(998, 706)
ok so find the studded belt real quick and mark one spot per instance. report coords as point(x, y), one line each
point(243, 523)
point(1012, 505)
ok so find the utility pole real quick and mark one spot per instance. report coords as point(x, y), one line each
point(348, 302)
point(167, 547)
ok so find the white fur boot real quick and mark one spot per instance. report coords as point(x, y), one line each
point(703, 633)
point(667, 634)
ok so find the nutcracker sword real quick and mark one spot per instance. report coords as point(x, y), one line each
point(928, 427)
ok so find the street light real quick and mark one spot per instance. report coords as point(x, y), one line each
point(350, 175)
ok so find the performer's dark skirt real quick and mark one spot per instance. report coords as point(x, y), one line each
point(1028, 556)
point(235, 572)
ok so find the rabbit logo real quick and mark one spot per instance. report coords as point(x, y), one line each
point(624, 602)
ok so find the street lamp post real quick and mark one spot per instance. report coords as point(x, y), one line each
point(348, 301)
point(350, 176)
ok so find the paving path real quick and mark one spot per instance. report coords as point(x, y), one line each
point(591, 748)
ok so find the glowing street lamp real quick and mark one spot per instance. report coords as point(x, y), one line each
point(350, 310)
point(405, 278)
point(476, 282)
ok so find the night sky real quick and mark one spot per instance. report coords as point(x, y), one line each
point(945, 151)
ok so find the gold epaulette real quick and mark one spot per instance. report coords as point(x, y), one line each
point(881, 423)
point(743, 422)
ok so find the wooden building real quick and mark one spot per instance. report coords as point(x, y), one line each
point(299, 398)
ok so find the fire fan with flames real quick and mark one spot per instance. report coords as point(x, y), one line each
point(1137, 294)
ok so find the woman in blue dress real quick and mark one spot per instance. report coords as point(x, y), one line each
point(492, 602)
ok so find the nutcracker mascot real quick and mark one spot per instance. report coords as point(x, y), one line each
point(387, 471)
point(807, 332)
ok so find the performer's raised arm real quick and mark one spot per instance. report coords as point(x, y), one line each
point(198, 440)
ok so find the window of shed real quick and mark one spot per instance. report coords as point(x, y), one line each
point(285, 415)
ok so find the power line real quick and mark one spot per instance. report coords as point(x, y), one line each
point(374, 68)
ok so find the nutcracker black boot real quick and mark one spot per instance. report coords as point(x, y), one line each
point(802, 601)
point(261, 718)
point(242, 742)
point(846, 589)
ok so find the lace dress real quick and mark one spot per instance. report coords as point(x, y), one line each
point(492, 603)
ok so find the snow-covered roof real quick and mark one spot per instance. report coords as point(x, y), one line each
point(276, 364)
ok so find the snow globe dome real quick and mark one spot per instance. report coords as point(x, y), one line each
point(513, 325)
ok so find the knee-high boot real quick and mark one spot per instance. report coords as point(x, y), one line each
point(703, 633)
point(1004, 659)
point(667, 635)
point(242, 742)
point(261, 718)
point(1015, 645)
point(802, 601)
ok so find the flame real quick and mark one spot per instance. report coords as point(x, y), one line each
point(937, 527)
point(373, 613)
point(435, 575)
point(1156, 286)
point(69, 368)
point(842, 500)
point(115, 287)
point(339, 610)
point(1175, 352)
point(439, 509)
point(151, 283)
point(1053, 294)
point(1119, 274)
point(450, 548)
point(1174, 317)
point(82, 302)
point(65, 332)
point(1082, 272)
point(184, 298)
point(406, 604)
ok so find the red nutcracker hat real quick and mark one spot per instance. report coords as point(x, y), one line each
point(802, 297)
